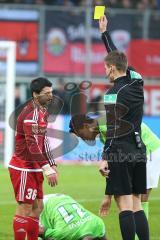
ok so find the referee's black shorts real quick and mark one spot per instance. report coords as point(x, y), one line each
point(127, 165)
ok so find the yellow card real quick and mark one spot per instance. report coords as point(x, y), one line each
point(99, 12)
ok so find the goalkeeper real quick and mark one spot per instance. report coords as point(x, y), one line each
point(64, 219)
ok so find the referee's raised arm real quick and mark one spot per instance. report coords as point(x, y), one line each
point(106, 38)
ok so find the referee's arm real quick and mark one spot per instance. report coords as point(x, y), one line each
point(106, 38)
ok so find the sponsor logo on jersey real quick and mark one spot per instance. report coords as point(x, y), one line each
point(110, 98)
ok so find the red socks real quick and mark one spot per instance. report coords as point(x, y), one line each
point(19, 226)
point(32, 228)
point(25, 225)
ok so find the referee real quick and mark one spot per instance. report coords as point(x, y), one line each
point(124, 155)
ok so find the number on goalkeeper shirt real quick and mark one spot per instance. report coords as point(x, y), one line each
point(79, 210)
point(68, 217)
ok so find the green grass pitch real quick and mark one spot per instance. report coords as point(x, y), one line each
point(85, 184)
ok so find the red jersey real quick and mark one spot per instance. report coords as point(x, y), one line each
point(32, 149)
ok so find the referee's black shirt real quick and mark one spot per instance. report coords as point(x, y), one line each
point(123, 103)
point(124, 108)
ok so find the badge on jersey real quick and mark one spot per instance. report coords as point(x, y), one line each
point(110, 98)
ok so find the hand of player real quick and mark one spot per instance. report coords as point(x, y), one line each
point(105, 205)
point(51, 174)
point(103, 22)
point(103, 168)
point(52, 179)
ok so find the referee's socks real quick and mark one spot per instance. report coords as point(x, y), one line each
point(145, 206)
point(142, 229)
point(127, 225)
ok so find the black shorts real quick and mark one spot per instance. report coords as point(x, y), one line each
point(127, 165)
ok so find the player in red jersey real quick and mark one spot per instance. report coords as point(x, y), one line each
point(31, 159)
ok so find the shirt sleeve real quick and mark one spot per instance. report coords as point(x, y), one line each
point(48, 152)
point(106, 38)
point(33, 140)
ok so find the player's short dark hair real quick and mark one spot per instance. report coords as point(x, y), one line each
point(118, 59)
point(77, 122)
point(38, 84)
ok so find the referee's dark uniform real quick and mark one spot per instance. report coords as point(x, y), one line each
point(124, 149)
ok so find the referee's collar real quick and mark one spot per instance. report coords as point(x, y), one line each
point(120, 79)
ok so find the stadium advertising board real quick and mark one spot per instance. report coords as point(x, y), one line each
point(64, 50)
point(64, 47)
point(21, 26)
point(152, 100)
point(144, 55)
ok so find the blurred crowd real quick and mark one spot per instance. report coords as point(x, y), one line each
point(138, 4)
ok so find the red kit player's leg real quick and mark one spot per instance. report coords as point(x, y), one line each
point(27, 187)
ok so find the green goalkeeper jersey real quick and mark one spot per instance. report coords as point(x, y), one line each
point(65, 219)
point(151, 141)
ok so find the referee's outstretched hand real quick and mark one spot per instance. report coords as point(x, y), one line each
point(103, 168)
point(105, 205)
